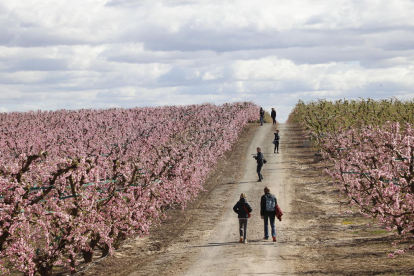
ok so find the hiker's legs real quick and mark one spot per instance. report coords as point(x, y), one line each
point(243, 227)
point(259, 169)
point(266, 230)
point(272, 225)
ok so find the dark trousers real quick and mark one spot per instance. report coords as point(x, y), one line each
point(259, 169)
point(261, 120)
point(274, 120)
point(276, 146)
point(243, 227)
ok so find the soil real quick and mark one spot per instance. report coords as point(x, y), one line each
point(316, 235)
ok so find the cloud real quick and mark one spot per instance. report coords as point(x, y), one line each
point(41, 65)
point(124, 53)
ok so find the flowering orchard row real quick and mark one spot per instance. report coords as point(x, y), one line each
point(373, 162)
point(322, 117)
point(73, 182)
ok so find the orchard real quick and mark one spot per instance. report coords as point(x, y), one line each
point(74, 183)
point(371, 148)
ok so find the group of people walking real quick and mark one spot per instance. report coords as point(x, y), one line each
point(269, 209)
point(259, 157)
point(272, 114)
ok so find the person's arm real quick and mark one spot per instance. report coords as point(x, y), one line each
point(249, 208)
point(262, 206)
point(235, 209)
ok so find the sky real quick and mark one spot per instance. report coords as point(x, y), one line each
point(58, 54)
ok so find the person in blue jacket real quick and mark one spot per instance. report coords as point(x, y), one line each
point(243, 209)
point(268, 206)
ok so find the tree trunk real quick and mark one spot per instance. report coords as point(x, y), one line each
point(105, 250)
point(118, 240)
point(72, 265)
point(3, 238)
point(45, 270)
point(88, 255)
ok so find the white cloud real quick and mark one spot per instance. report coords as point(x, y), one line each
point(105, 53)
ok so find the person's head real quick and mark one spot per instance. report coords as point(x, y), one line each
point(273, 108)
point(266, 190)
point(277, 130)
point(243, 195)
point(259, 149)
point(261, 108)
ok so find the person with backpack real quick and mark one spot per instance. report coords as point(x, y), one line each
point(262, 113)
point(276, 141)
point(273, 115)
point(243, 209)
point(268, 208)
point(260, 161)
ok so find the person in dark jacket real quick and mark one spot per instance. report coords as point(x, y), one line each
point(268, 204)
point(243, 209)
point(262, 113)
point(273, 115)
point(276, 141)
point(259, 159)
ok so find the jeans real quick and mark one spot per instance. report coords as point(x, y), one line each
point(276, 146)
point(243, 227)
point(272, 224)
point(259, 169)
point(261, 120)
point(274, 120)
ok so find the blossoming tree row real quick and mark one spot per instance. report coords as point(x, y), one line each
point(372, 155)
point(72, 182)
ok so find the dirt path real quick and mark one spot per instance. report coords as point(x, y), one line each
point(222, 254)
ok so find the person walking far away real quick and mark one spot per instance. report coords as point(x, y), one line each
point(268, 208)
point(262, 113)
point(260, 161)
point(276, 141)
point(273, 115)
point(243, 209)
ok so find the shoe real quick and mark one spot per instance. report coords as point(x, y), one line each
point(274, 239)
point(259, 180)
point(245, 241)
point(241, 240)
point(265, 238)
